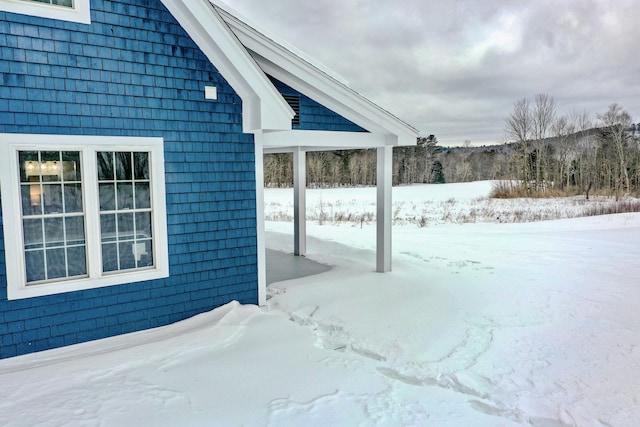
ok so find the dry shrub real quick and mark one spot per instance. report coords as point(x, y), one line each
point(508, 190)
point(621, 206)
point(517, 190)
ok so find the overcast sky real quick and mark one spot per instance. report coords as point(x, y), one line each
point(455, 68)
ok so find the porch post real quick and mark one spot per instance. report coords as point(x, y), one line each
point(299, 202)
point(383, 208)
point(260, 233)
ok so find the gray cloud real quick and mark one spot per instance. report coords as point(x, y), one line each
point(455, 68)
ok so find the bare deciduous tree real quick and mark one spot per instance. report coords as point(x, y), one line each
point(543, 115)
point(616, 123)
point(519, 126)
point(562, 128)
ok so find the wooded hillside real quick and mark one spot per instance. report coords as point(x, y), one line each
point(547, 152)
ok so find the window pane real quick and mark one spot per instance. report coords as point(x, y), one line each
point(107, 197)
point(71, 166)
point(143, 196)
point(144, 253)
point(141, 165)
point(56, 263)
point(34, 261)
point(127, 259)
point(29, 166)
point(65, 3)
point(74, 228)
point(32, 229)
point(108, 227)
point(109, 257)
point(123, 167)
point(53, 232)
point(50, 166)
point(72, 198)
point(31, 199)
point(143, 224)
point(125, 196)
point(125, 226)
point(105, 166)
point(77, 260)
point(52, 196)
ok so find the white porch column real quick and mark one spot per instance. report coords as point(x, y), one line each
point(260, 233)
point(299, 202)
point(384, 217)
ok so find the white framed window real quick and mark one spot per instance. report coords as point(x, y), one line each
point(81, 212)
point(65, 10)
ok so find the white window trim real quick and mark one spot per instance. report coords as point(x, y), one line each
point(11, 144)
point(80, 12)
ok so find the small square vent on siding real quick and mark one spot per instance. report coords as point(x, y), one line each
point(294, 103)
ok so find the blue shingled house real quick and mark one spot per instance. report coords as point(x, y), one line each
point(132, 135)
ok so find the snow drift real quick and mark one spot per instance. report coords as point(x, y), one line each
point(478, 324)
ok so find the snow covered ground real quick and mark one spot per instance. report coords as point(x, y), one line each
point(426, 205)
point(479, 324)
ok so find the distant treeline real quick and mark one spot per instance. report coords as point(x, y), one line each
point(425, 162)
point(416, 164)
point(569, 154)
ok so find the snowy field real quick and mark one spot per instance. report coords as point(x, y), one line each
point(426, 205)
point(479, 324)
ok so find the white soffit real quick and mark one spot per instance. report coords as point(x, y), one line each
point(313, 79)
point(263, 108)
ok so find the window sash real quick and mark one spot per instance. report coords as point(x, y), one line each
point(125, 210)
point(53, 223)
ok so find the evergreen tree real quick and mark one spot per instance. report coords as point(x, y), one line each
point(437, 174)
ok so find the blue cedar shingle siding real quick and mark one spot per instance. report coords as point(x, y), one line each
point(314, 116)
point(135, 72)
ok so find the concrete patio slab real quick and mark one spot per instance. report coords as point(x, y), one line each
point(285, 266)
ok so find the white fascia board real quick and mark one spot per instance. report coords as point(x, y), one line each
point(302, 75)
point(230, 14)
point(263, 108)
point(340, 99)
point(313, 140)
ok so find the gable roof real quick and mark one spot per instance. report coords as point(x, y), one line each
point(313, 79)
point(245, 56)
point(262, 106)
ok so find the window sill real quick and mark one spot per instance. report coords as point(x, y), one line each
point(81, 284)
